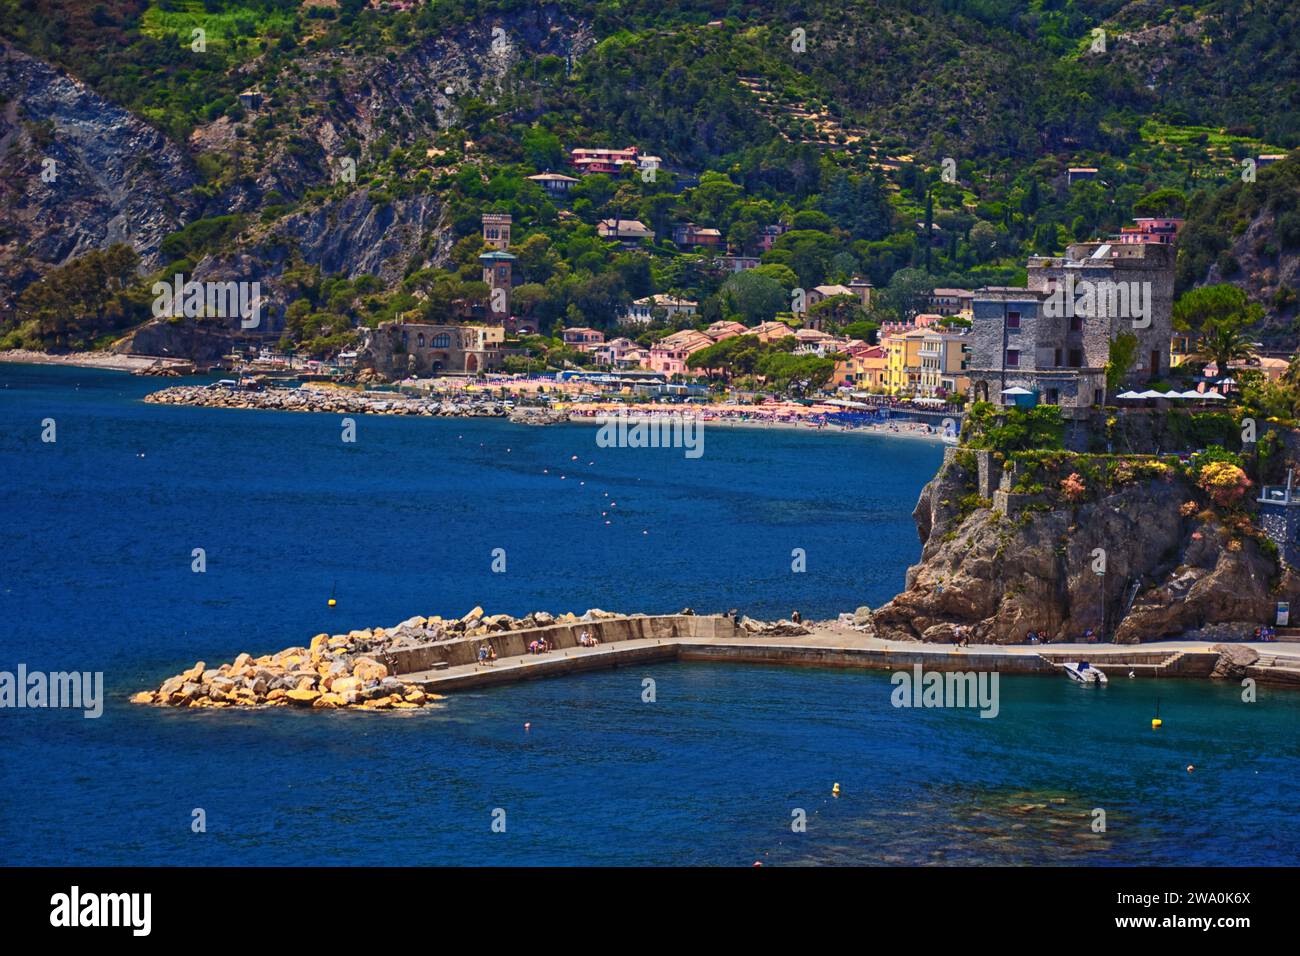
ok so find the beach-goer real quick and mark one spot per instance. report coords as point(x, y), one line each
point(795, 616)
point(482, 654)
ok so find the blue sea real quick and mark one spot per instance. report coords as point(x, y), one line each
point(97, 534)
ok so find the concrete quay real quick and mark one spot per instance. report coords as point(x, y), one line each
point(636, 640)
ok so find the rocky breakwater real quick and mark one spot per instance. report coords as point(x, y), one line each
point(1130, 549)
point(352, 670)
point(316, 398)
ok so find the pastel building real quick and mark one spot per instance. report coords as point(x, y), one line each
point(861, 366)
point(642, 311)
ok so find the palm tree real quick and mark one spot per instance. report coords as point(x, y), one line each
point(1222, 344)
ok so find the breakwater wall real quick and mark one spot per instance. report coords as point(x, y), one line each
point(607, 631)
point(323, 399)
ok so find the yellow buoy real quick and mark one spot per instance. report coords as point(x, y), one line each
point(835, 790)
point(332, 602)
point(1156, 722)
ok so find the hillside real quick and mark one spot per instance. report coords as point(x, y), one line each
point(351, 183)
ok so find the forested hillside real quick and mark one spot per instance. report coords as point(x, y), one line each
point(352, 183)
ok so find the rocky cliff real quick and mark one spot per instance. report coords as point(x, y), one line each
point(1174, 565)
point(78, 173)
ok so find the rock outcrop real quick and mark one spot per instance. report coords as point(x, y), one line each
point(1169, 568)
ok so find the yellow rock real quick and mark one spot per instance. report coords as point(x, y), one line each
point(381, 703)
point(240, 662)
point(144, 697)
point(343, 685)
point(277, 694)
point(328, 700)
point(436, 696)
point(403, 705)
point(194, 672)
point(415, 696)
point(302, 696)
point(293, 660)
point(319, 641)
point(367, 670)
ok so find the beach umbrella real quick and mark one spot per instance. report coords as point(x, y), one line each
point(1016, 390)
point(1213, 396)
point(1151, 393)
point(1130, 394)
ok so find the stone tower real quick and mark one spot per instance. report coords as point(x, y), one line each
point(497, 268)
point(496, 230)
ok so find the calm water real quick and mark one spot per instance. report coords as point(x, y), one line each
point(97, 531)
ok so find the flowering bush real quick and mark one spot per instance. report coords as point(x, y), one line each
point(1224, 482)
point(1188, 508)
point(1073, 488)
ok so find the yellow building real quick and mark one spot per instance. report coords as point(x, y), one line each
point(903, 360)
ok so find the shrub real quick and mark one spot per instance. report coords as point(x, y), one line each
point(1224, 482)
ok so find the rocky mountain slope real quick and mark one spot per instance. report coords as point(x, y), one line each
point(78, 173)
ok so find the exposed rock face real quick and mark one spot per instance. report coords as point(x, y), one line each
point(1004, 577)
point(117, 179)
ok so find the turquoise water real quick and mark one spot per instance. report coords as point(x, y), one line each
point(96, 534)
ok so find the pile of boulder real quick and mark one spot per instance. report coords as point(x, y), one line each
point(324, 399)
point(334, 671)
point(782, 628)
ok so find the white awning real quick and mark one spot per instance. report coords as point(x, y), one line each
point(1016, 390)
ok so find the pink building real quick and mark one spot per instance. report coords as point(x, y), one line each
point(582, 338)
point(670, 353)
point(1150, 230)
point(602, 160)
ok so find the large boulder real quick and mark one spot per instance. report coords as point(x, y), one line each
point(1233, 660)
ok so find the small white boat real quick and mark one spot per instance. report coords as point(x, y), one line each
point(1083, 672)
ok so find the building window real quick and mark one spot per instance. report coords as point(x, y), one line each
point(1013, 357)
point(1056, 357)
point(1013, 320)
point(1053, 397)
point(1076, 358)
point(440, 341)
point(419, 340)
point(1076, 323)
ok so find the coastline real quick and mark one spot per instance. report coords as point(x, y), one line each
point(328, 398)
point(110, 361)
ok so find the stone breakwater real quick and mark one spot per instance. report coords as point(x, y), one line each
point(364, 668)
point(336, 400)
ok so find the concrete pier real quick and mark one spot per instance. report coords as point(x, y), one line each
point(632, 641)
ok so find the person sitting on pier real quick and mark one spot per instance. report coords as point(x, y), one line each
point(482, 654)
point(534, 646)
